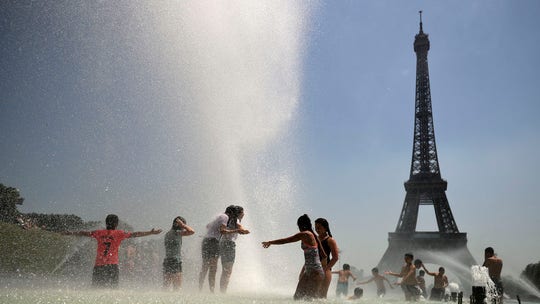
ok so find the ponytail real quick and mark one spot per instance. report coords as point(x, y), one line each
point(323, 222)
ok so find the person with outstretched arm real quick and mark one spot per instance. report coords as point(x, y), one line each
point(105, 273)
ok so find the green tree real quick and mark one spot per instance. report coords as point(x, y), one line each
point(9, 199)
point(532, 273)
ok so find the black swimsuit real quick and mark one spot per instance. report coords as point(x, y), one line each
point(327, 249)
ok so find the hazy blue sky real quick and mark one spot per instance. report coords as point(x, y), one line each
point(100, 111)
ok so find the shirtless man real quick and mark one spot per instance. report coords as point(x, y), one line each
point(379, 282)
point(408, 283)
point(342, 287)
point(494, 265)
point(440, 282)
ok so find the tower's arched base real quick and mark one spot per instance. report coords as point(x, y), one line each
point(445, 249)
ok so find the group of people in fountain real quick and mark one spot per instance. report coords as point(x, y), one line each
point(414, 286)
point(219, 242)
point(319, 248)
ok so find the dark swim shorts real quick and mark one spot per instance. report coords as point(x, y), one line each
point(172, 265)
point(105, 276)
point(210, 248)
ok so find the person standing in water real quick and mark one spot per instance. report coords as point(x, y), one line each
point(312, 274)
point(379, 282)
point(494, 265)
point(105, 273)
point(172, 264)
point(330, 247)
point(408, 283)
point(440, 282)
point(227, 245)
point(422, 282)
point(210, 246)
point(342, 287)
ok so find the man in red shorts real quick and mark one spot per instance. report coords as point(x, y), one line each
point(105, 272)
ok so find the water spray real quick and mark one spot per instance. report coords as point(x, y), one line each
point(483, 289)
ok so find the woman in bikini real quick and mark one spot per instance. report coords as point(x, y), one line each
point(312, 274)
point(331, 249)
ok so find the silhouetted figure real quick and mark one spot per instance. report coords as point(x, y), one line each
point(440, 282)
point(379, 282)
point(330, 247)
point(408, 283)
point(494, 265)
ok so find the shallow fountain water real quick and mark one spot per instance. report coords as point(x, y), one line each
point(67, 295)
point(456, 271)
point(529, 287)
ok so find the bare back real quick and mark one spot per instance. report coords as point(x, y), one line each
point(379, 281)
point(408, 275)
point(440, 281)
point(494, 266)
point(344, 275)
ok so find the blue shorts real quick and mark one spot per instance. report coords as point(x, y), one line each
point(210, 248)
point(342, 288)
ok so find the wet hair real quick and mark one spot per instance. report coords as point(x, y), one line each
point(175, 225)
point(441, 269)
point(238, 210)
point(489, 250)
point(323, 222)
point(304, 224)
point(346, 267)
point(421, 273)
point(358, 291)
point(111, 221)
point(229, 210)
point(233, 212)
point(417, 262)
point(409, 255)
point(375, 270)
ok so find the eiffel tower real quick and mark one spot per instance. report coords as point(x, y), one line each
point(446, 247)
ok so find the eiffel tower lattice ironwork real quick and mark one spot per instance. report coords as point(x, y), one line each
point(446, 247)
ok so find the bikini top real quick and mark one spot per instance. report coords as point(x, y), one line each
point(311, 256)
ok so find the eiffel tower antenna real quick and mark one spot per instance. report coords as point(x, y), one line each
point(421, 30)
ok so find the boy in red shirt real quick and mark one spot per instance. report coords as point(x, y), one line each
point(105, 272)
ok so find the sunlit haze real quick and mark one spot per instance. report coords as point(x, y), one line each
point(151, 110)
